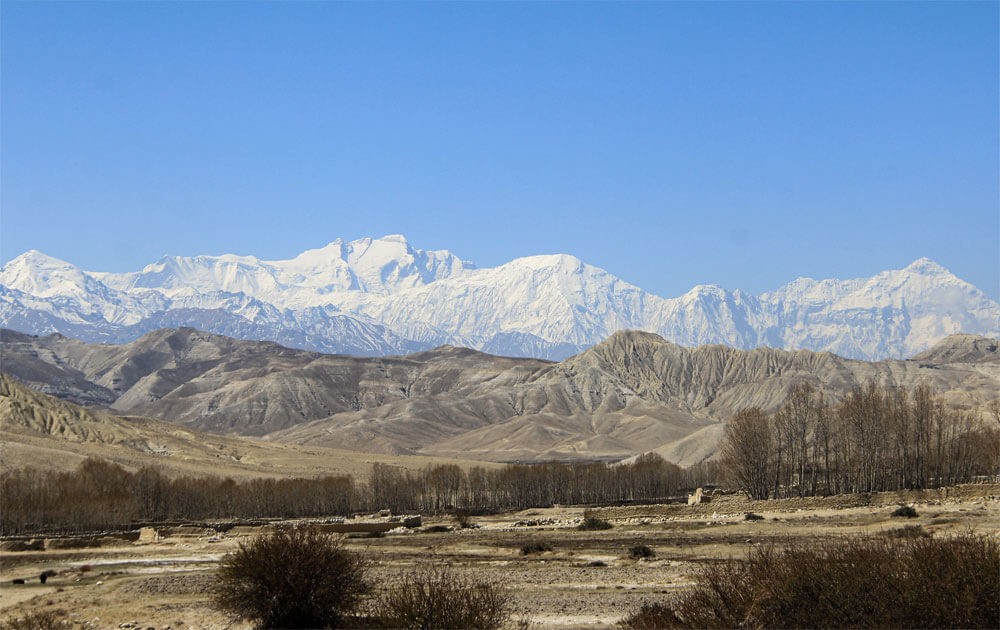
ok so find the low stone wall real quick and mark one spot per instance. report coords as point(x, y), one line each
point(184, 531)
point(350, 528)
point(365, 527)
point(738, 502)
point(31, 544)
point(87, 542)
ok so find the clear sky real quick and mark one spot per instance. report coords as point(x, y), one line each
point(741, 144)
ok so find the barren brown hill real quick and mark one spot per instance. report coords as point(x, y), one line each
point(225, 385)
point(636, 392)
point(632, 393)
point(962, 349)
point(48, 433)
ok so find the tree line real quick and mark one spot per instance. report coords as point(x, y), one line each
point(101, 495)
point(876, 439)
point(519, 486)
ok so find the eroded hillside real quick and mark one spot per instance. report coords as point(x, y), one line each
point(632, 393)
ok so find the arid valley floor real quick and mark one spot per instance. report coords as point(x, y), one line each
point(588, 579)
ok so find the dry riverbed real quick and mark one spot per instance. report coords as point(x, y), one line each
point(588, 579)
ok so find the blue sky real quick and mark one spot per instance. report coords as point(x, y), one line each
point(742, 144)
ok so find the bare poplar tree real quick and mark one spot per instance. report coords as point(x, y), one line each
point(746, 451)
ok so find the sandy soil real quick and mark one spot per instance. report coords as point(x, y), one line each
point(586, 581)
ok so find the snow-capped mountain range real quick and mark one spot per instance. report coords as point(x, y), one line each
point(383, 296)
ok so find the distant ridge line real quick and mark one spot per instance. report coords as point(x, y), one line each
point(383, 296)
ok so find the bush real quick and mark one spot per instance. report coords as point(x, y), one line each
point(463, 520)
point(440, 597)
point(535, 546)
point(869, 582)
point(905, 511)
point(37, 620)
point(591, 523)
point(908, 531)
point(637, 552)
point(651, 616)
point(436, 529)
point(750, 516)
point(294, 577)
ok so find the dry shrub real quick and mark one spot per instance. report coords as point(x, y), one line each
point(651, 616)
point(869, 582)
point(441, 597)
point(751, 516)
point(592, 523)
point(908, 531)
point(436, 529)
point(905, 511)
point(462, 519)
point(294, 577)
point(535, 546)
point(37, 620)
point(638, 552)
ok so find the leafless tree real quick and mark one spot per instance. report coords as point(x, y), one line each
point(747, 452)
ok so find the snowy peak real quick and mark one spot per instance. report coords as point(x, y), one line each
point(378, 266)
point(893, 314)
point(43, 276)
point(927, 267)
point(324, 269)
point(389, 264)
point(705, 292)
point(922, 285)
point(888, 285)
point(46, 286)
point(35, 258)
point(39, 274)
point(562, 263)
point(175, 275)
point(539, 300)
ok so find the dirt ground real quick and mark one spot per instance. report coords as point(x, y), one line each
point(588, 579)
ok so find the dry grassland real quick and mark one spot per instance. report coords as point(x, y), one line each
point(587, 580)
